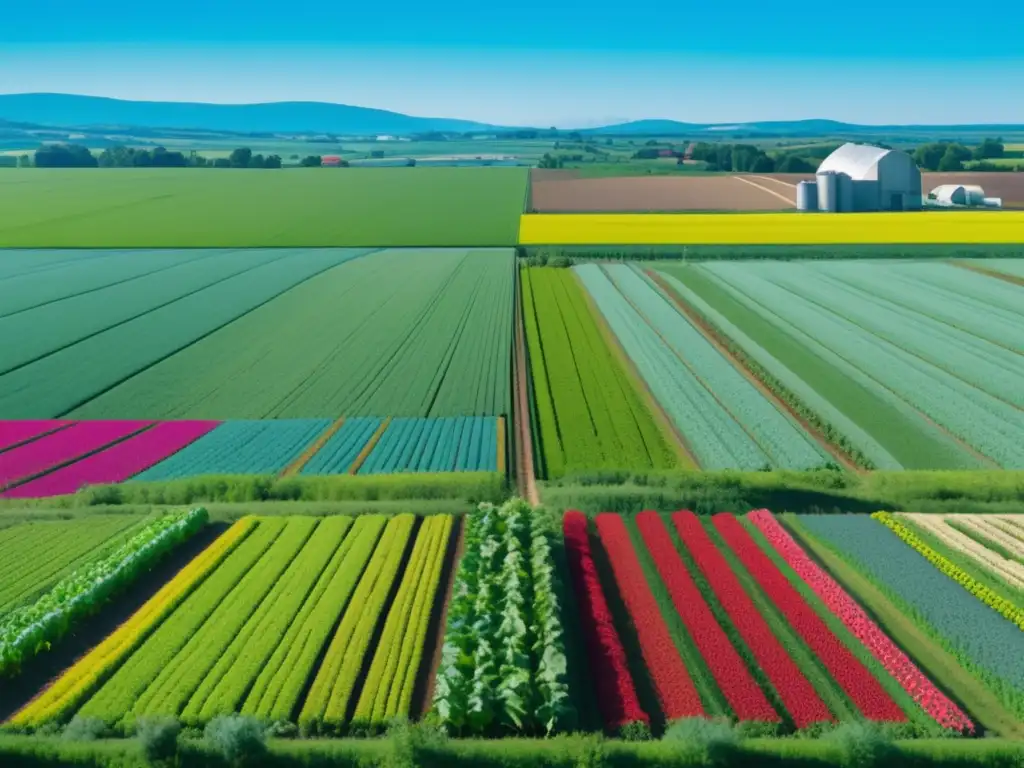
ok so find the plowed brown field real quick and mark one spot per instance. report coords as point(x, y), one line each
point(563, 192)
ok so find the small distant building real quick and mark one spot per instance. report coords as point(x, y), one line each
point(961, 195)
point(387, 138)
point(860, 177)
point(330, 161)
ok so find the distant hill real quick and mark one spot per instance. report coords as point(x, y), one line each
point(311, 117)
point(64, 110)
point(793, 128)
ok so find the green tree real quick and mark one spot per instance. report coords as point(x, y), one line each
point(794, 164)
point(240, 158)
point(24, 161)
point(222, 162)
point(311, 161)
point(65, 156)
point(272, 161)
point(988, 149)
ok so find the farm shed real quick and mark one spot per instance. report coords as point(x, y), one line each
point(879, 179)
point(330, 161)
point(951, 195)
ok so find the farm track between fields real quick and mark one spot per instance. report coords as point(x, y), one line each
point(1013, 279)
point(526, 473)
point(715, 339)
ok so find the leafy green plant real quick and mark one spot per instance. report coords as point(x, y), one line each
point(711, 742)
point(862, 744)
point(84, 729)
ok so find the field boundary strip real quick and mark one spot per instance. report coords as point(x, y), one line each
point(304, 458)
point(370, 445)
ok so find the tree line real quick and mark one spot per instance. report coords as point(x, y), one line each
point(77, 156)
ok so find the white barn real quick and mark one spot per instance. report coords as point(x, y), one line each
point(877, 179)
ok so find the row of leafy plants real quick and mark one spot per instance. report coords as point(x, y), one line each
point(503, 667)
point(32, 628)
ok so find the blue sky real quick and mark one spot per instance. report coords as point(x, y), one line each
point(534, 62)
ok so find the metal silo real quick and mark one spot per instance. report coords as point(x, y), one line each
point(845, 184)
point(806, 196)
point(828, 191)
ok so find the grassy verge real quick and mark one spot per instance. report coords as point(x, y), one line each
point(560, 752)
point(470, 486)
point(952, 491)
point(940, 665)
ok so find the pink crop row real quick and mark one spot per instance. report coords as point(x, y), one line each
point(14, 432)
point(61, 447)
point(118, 462)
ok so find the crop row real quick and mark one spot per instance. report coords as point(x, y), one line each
point(275, 607)
point(35, 555)
point(503, 663)
point(416, 333)
point(38, 456)
point(781, 641)
point(590, 413)
point(32, 627)
point(463, 444)
point(983, 642)
point(896, 360)
point(724, 418)
point(946, 713)
point(78, 354)
point(993, 600)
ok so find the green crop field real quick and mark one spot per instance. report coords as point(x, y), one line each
point(210, 208)
point(393, 333)
point(905, 365)
point(590, 413)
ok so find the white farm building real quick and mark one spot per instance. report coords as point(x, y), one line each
point(860, 177)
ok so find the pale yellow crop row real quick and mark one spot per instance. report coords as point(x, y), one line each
point(1008, 570)
point(75, 685)
point(917, 227)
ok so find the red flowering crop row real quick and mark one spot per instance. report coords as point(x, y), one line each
point(852, 676)
point(744, 695)
point(676, 692)
point(616, 694)
point(932, 700)
point(797, 694)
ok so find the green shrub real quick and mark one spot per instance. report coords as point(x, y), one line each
point(158, 737)
point(863, 745)
point(712, 742)
point(238, 739)
point(84, 729)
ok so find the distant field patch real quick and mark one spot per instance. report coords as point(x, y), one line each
point(952, 227)
point(195, 208)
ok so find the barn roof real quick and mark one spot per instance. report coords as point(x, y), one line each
point(858, 161)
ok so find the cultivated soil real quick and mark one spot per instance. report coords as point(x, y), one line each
point(526, 475)
point(662, 194)
point(555, 191)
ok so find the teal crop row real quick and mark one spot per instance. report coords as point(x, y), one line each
point(344, 446)
point(241, 448)
point(462, 444)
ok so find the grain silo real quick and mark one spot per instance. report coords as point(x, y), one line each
point(828, 191)
point(879, 179)
point(806, 196)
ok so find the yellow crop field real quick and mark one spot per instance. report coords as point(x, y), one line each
point(920, 227)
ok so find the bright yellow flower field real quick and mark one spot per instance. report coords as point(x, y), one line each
point(919, 227)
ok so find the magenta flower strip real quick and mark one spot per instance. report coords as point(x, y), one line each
point(118, 462)
point(61, 447)
point(921, 689)
point(14, 432)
